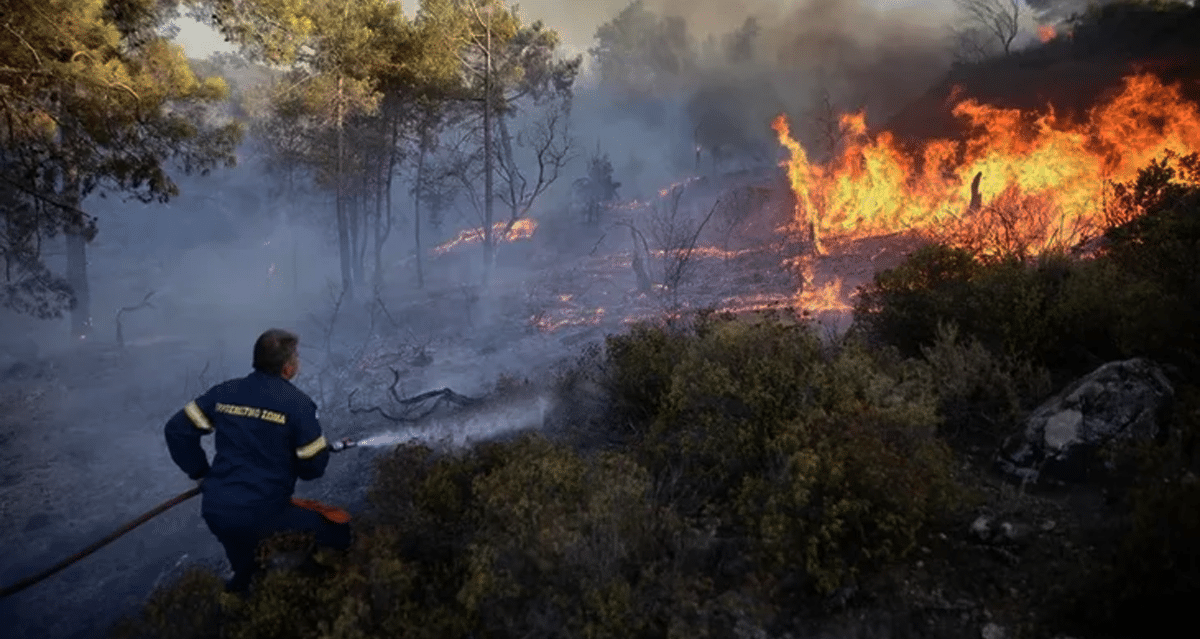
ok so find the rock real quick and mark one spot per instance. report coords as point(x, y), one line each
point(993, 631)
point(982, 528)
point(1120, 401)
point(1000, 533)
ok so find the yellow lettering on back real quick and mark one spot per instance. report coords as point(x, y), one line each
point(250, 411)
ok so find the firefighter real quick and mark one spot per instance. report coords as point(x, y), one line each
point(266, 437)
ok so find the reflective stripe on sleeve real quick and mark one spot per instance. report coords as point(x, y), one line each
point(308, 451)
point(197, 416)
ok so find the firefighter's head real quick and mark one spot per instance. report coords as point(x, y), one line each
point(276, 352)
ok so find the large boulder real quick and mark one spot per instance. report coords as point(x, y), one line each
point(1118, 402)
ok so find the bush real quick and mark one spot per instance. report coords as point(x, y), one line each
point(730, 392)
point(1066, 314)
point(980, 395)
point(1155, 235)
point(822, 461)
point(190, 608)
point(639, 365)
point(562, 542)
point(1156, 571)
point(847, 488)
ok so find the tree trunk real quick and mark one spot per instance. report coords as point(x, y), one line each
point(77, 278)
point(362, 229)
point(76, 235)
point(513, 199)
point(383, 206)
point(417, 212)
point(343, 221)
point(489, 248)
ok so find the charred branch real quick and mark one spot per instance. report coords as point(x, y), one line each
point(145, 303)
point(412, 409)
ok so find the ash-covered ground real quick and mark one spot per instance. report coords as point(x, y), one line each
point(81, 424)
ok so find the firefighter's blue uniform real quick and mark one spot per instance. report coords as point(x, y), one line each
point(267, 437)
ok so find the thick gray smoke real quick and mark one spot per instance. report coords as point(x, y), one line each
point(740, 63)
point(1049, 11)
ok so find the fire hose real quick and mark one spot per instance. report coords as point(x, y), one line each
point(22, 584)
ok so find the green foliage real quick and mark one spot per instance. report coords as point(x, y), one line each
point(560, 537)
point(1066, 314)
point(638, 50)
point(93, 95)
point(825, 461)
point(190, 608)
point(736, 385)
point(1160, 239)
point(980, 393)
point(903, 305)
point(640, 363)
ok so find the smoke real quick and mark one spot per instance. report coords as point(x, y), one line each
point(745, 62)
point(1056, 10)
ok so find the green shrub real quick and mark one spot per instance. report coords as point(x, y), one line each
point(981, 396)
point(189, 608)
point(736, 384)
point(1155, 235)
point(824, 462)
point(848, 487)
point(902, 306)
point(639, 366)
point(561, 542)
point(1066, 314)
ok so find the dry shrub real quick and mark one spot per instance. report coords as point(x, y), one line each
point(1016, 225)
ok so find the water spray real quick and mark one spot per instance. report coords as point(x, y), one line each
point(520, 415)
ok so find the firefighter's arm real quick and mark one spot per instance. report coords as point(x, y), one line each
point(312, 451)
point(183, 433)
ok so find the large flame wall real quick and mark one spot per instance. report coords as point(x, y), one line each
point(874, 187)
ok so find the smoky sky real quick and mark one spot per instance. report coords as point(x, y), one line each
point(1056, 10)
point(577, 21)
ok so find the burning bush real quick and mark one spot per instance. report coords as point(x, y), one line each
point(1158, 236)
point(1066, 313)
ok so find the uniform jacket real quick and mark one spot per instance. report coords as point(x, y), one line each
point(266, 436)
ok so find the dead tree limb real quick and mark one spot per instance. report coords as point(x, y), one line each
point(411, 404)
point(129, 309)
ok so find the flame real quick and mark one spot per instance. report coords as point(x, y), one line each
point(1046, 32)
point(522, 229)
point(820, 298)
point(544, 323)
point(1041, 177)
point(682, 184)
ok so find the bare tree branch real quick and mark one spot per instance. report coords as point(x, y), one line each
point(145, 303)
point(409, 413)
point(999, 19)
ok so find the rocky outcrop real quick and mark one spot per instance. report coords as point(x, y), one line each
point(1120, 401)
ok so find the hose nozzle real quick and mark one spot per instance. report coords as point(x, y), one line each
point(342, 444)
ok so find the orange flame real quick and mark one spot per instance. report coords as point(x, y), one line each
point(1046, 32)
point(1057, 169)
point(522, 229)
